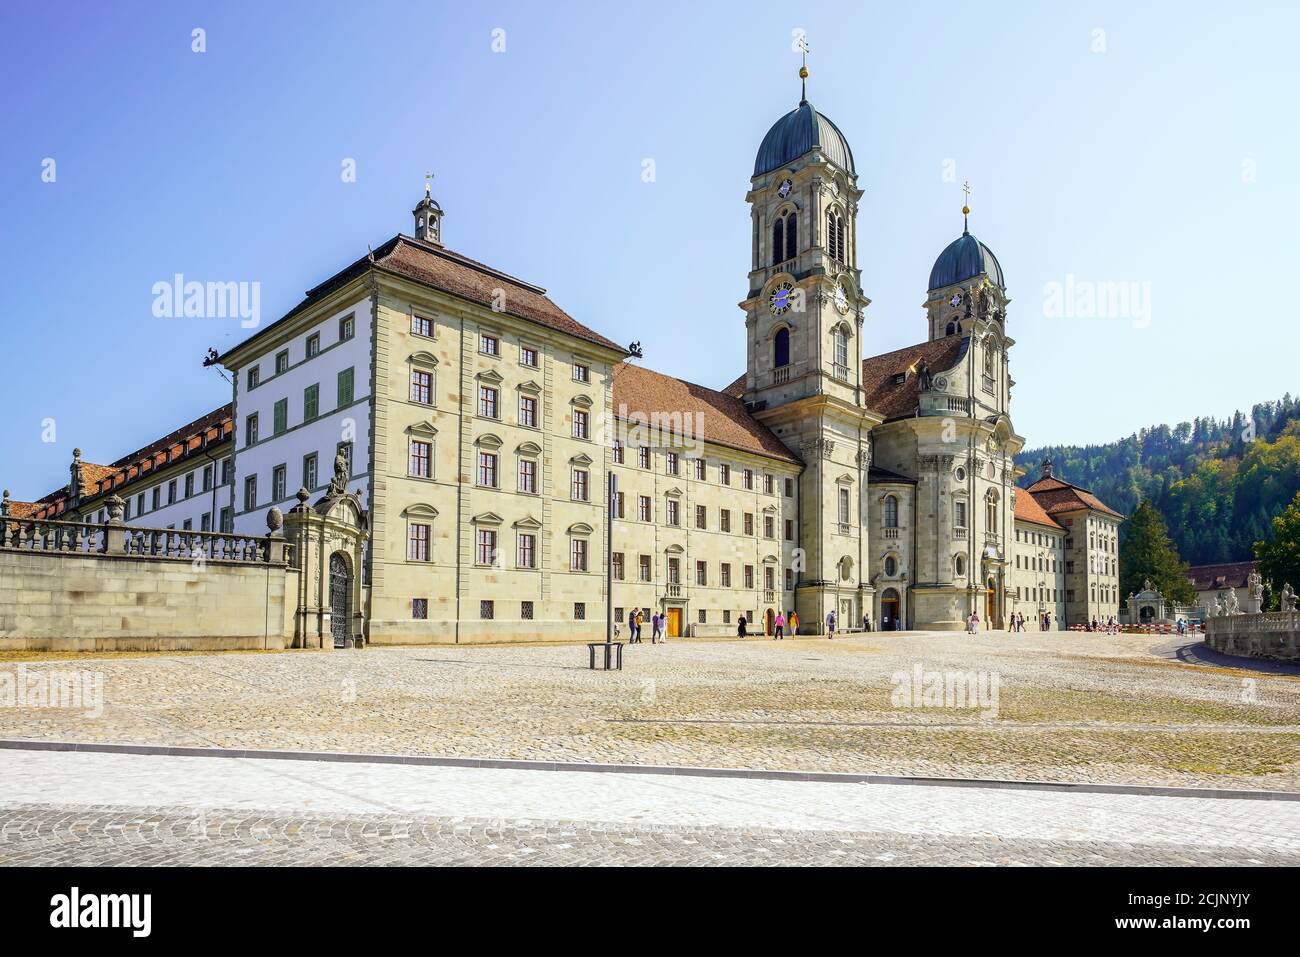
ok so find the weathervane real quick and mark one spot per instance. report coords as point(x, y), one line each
point(428, 183)
point(803, 70)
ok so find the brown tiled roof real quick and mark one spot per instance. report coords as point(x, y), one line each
point(1227, 575)
point(724, 419)
point(893, 399)
point(22, 509)
point(1057, 496)
point(1029, 510)
point(882, 394)
point(97, 480)
point(458, 275)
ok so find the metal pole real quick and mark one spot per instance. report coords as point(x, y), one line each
point(610, 511)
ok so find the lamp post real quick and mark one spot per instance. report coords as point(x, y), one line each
point(611, 510)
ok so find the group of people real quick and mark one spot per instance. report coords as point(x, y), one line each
point(1044, 621)
point(658, 627)
point(1111, 626)
point(782, 621)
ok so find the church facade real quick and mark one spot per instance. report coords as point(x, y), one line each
point(480, 426)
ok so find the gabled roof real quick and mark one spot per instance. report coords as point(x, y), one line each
point(1028, 509)
point(1057, 497)
point(889, 380)
point(458, 275)
point(1226, 575)
point(723, 417)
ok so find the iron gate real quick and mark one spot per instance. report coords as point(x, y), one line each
point(340, 601)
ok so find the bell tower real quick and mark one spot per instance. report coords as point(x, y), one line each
point(803, 326)
point(428, 215)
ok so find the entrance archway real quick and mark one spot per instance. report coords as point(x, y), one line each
point(340, 600)
point(990, 603)
point(889, 609)
point(769, 622)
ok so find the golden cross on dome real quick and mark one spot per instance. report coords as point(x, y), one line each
point(965, 209)
point(802, 44)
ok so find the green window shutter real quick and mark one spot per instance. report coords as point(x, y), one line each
point(281, 416)
point(345, 388)
point(311, 402)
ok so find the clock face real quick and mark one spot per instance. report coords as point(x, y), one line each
point(955, 300)
point(841, 299)
point(784, 190)
point(782, 298)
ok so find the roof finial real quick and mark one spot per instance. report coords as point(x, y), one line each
point(965, 209)
point(802, 45)
point(428, 183)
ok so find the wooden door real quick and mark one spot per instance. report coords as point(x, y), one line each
point(674, 622)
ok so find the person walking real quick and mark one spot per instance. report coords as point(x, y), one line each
point(830, 624)
point(740, 627)
point(656, 623)
point(631, 626)
point(780, 627)
point(866, 622)
point(793, 621)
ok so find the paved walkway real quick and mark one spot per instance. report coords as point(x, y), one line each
point(99, 809)
point(1070, 707)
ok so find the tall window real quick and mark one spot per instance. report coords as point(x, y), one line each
point(643, 457)
point(279, 476)
point(421, 386)
point(785, 238)
point(672, 517)
point(580, 485)
point(835, 246)
point(526, 552)
point(891, 512)
point(616, 559)
point(643, 508)
point(528, 411)
point(844, 507)
point(578, 554)
point(781, 348)
point(420, 458)
point(310, 402)
point(528, 475)
point(422, 326)
point(250, 430)
point(579, 424)
point(309, 472)
point(250, 493)
point(959, 514)
point(417, 542)
point(991, 511)
point(487, 469)
point(345, 388)
point(280, 416)
point(487, 401)
point(486, 547)
point(841, 348)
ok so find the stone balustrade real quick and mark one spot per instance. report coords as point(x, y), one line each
point(1273, 634)
point(116, 538)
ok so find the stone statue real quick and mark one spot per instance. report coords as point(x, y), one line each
point(339, 484)
point(1288, 598)
point(1255, 583)
point(1216, 610)
point(1146, 584)
point(925, 381)
point(1232, 606)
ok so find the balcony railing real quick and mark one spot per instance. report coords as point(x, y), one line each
point(840, 371)
point(674, 590)
point(891, 533)
point(769, 594)
point(780, 375)
point(845, 528)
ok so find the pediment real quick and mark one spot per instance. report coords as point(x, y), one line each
point(488, 441)
point(674, 492)
point(580, 528)
point(490, 376)
point(487, 518)
point(420, 510)
point(528, 522)
point(423, 429)
point(530, 387)
point(581, 401)
point(529, 448)
point(422, 359)
point(581, 459)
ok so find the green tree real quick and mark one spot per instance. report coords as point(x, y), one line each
point(1279, 557)
point(1148, 552)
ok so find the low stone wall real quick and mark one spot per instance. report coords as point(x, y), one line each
point(53, 601)
point(1274, 635)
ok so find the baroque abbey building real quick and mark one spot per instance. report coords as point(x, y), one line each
point(478, 423)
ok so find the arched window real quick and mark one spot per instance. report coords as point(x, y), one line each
point(988, 360)
point(835, 246)
point(891, 566)
point(954, 327)
point(778, 242)
point(841, 341)
point(991, 511)
point(891, 512)
point(781, 348)
point(792, 235)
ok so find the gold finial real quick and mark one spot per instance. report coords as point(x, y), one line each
point(803, 70)
point(965, 209)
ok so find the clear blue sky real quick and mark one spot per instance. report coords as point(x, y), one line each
point(1122, 166)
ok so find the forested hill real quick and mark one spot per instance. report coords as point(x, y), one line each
point(1217, 484)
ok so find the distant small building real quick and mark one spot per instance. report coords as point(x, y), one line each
point(1210, 580)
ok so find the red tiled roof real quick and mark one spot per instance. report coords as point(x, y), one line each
point(882, 393)
point(723, 418)
point(1057, 496)
point(893, 399)
point(22, 509)
point(1227, 575)
point(1028, 510)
